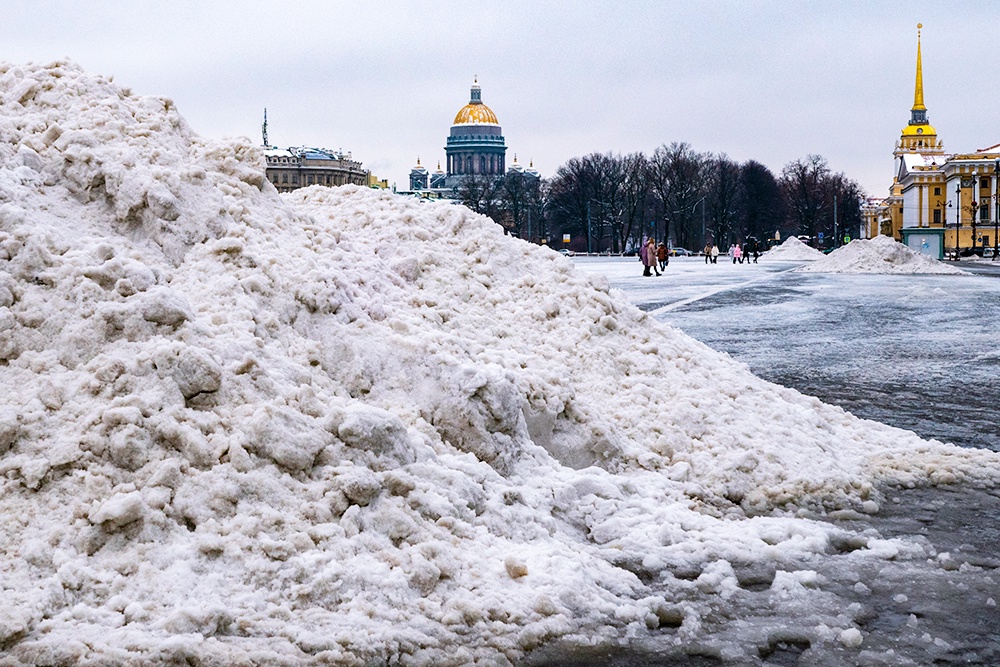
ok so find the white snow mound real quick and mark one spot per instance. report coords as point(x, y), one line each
point(793, 250)
point(343, 427)
point(882, 254)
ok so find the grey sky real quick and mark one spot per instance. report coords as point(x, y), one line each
point(771, 81)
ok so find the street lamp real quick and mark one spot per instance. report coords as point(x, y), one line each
point(996, 218)
point(974, 206)
point(958, 217)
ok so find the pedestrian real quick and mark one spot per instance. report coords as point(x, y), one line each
point(737, 254)
point(715, 254)
point(756, 253)
point(708, 252)
point(662, 257)
point(651, 257)
point(644, 259)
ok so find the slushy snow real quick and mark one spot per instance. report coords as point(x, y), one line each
point(793, 250)
point(881, 254)
point(344, 427)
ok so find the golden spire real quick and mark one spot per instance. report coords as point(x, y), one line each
point(918, 92)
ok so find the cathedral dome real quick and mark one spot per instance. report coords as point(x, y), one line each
point(475, 112)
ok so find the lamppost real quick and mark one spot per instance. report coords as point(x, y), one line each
point(958, 216)
point(974, 206)
point(996, 218)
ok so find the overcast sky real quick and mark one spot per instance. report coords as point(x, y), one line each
point(770, 81)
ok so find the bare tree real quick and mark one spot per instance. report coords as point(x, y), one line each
point(721, 201)
point(677, 178)
point(569, 195)
point(481, 193)
point(761, 207)
point(804, 184)
point(635, 201)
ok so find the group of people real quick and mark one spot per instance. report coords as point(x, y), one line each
point(746, 252)
point(654, 257)
point(711, 253)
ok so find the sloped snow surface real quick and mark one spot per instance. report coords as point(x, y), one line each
point(882, 254)
point(344, 427)
point(794, 250)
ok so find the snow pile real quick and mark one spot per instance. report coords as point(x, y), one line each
point(793, 250)
point(881, 254)
point(345, 427)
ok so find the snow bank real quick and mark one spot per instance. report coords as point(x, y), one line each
point(794, 250)
point(881, 254)
point(345, 427)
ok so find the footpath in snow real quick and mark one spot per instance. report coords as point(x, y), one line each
point(344, 427)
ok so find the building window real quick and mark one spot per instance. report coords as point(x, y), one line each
point(937, 216)
point(284, 178)
point(984, 183)
point(309, 179)
point(937, 191)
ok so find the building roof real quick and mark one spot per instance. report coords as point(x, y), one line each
point(307, 153)
point(475, 112)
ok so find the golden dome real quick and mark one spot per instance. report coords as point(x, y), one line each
point(925, 129)
point(475, 112)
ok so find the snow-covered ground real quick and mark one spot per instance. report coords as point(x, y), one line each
point(344, 427)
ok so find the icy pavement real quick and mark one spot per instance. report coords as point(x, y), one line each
point(915, 351)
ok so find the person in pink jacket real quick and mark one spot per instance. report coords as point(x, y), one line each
point(737, 254)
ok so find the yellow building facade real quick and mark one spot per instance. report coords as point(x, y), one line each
point(939, 203)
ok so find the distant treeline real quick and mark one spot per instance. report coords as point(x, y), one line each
point(610, 202)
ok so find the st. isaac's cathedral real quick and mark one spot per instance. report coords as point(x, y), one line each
point(475, 148)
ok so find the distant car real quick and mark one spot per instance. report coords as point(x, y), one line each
point(567, 252)
point(681, 252)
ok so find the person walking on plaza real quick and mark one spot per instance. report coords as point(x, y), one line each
point(651, 255)
point(647, 253)
point(737, 254)
point(662, 257)
point(708, 253)
point(715, 254)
